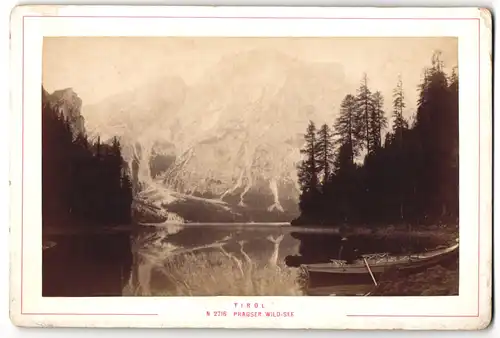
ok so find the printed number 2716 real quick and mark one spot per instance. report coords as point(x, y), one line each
point(217, 313)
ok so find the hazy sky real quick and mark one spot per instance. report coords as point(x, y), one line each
point(97, 67)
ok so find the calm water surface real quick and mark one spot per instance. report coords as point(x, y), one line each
point(103, 263)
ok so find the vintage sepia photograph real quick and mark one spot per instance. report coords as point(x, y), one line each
point(250, 166)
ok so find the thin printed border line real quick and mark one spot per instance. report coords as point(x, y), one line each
point(255, 18)
point(233, 17)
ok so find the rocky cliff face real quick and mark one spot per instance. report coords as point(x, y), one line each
point(67, 103)
point(231, 140)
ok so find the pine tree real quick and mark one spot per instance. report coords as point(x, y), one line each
point(378, 121)
point(399, 122)
point(432, 93)
point(346, 128)
point(432, 126)
point(325, 152)
point(309, 168)
point(349, 141)
point(402, 181)
point(363, 111)
point(308, 171)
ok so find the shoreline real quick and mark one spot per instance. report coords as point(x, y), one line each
point(350, 230)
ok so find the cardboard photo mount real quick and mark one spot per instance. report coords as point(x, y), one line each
point(470, 310)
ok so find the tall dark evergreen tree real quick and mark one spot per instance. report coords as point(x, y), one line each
point(399, 123)
point(363, 111)
point(431, 125)
point(378, 121)
point(309, 168)
point(308, 171)
point(325, 153)
point(347, 129)
point(401, 182)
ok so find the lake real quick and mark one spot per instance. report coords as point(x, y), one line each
point(203, 259)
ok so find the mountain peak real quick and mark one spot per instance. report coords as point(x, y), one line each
point(67, 103)
point(234, 134)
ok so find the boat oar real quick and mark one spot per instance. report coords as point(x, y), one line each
point(370, 271)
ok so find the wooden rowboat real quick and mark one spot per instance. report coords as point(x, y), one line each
point(376, 264)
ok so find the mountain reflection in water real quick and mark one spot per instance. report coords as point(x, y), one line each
point(197, 259)
point(106, 264)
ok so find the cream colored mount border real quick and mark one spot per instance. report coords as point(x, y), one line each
point(470, 310)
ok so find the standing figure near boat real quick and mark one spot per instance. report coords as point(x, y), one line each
point(347, 251)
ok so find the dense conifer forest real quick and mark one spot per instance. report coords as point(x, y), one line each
point(83, 181)
point(351, 174)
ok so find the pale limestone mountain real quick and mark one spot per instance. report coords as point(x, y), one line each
point(232, 138)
